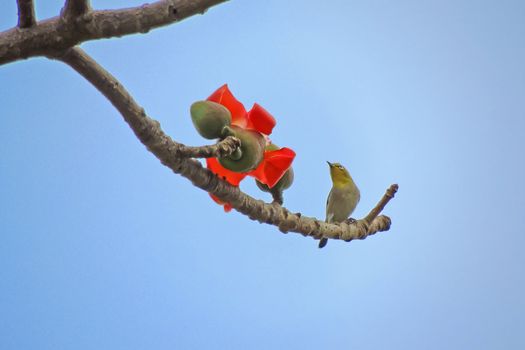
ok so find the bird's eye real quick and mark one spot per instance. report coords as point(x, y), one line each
point(340, 167)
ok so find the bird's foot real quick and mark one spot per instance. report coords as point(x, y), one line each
point(350, 221)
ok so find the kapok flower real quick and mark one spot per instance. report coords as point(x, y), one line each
point(274, 164)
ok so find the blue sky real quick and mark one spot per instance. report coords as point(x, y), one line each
point(103, 247)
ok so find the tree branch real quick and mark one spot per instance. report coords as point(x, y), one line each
point(390, 193)
point(277, 196)
point(148, 131)
point(26, 13)
point(56, 34)
point(222, 148)
point(75, 8)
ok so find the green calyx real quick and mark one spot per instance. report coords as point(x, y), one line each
point(210, 118)
point(250, 153)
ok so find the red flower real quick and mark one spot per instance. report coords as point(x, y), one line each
point(274, 164)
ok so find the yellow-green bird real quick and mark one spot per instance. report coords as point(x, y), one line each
point(343, 197)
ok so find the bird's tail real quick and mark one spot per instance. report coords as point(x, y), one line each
point(322, 242)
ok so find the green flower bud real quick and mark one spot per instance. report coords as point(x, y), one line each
point(284, 183)
point(209, 118)
point(251, 150)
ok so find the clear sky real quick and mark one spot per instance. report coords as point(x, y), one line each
point(102, 247)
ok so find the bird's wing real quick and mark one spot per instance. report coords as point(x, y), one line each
point(329, 216)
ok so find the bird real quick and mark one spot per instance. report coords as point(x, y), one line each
point(343, 197)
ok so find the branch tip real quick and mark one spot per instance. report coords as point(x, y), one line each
point(389, 194)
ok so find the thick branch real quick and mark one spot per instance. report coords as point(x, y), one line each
point(75, 8)
point(26, 13)
point(56, 34)
point(165, 149)
point(220, 149)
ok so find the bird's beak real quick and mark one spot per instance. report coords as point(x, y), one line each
point(329, 164)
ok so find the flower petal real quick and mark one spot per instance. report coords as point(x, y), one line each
point(223, 173)
point(260, 119)
point(224, 97)
point(226, 206)
point(273, 166)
